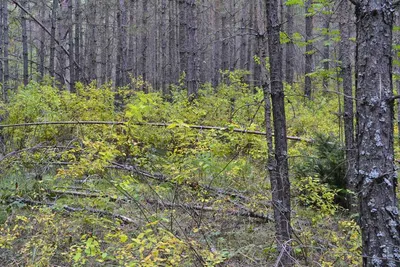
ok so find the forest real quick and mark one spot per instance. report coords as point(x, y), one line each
point(199, 133)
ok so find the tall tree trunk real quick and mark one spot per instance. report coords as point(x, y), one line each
point(2, 6)
point(24, 45)
point(290, 45)
point(52, 40)
point(277, 162)
point(193, 61)
point(143, 62)
point(71, 47)
point(5, 52)
point(217, 43)
point(309, 50)
point(78, 32)
point(105, 64)
point(379, 218)
point(346, 74)
point(183, 37)
point(326, 55)
point(163, 27)
point(42, 48)
point(122, 38)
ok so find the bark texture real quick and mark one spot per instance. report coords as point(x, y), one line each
point(278, 163)
point(375, 157)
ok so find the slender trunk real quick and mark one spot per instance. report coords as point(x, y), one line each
point(182, 37)
point(5, 52)
point(278, 163)
point(163, 23)
point(1, 42)
point(376, 171)
point(290, 45)
point(25, 58)
point(42, 48)
point(144, 45)
point(217, 44)
point(105, 45)
point(78, 30)
point(52, 40)
point(192, 65)
point(71, 47)
point(309, 50)
point(346, 75)
point(326, 55)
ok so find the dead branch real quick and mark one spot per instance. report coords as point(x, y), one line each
point(154, 124)
point(102, 213)
point(240, 211)
point(236, 212)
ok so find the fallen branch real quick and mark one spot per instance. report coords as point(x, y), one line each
point(235, 212)
point(163, 178)
point(154, 124)
point(124, 219)
point(241, 211)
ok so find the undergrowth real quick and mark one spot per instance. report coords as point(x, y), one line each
point(136, 194)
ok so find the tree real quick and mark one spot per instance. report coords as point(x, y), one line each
point(277, 162)
point(346, 74)
point(376, 172)
point(309, 49)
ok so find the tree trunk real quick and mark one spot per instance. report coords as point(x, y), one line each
point(52, 40)
point(376, 170)
point(24, 45)
point(278, 163)
point(2, 6)
point(325, 82)
point(71, 47)
point(309, 50)
point(192, 66)
point(182, 37)
point(290, 45)
point(5, 52)
point(78, 30)
point(346, 74)
point(163, 27)
point(144, 44)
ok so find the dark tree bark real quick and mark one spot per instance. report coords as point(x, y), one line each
point(1, 42)
point(71, 47)
point(78, 33)
point(346, 74)
point(52, 40)
point(5, 52)
point(193, 60)
point(164, 40)
point(183, 50)
point(217, 43)
point(278, 162)
point(24, 45)
point(42, 48)
point(376, 171)
point(326, 54)
point(121, 75)
point(143, 58)
point(309, 50)
point(290, 45)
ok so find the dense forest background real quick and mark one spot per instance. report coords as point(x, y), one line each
point(159, 41)
point(199, 133)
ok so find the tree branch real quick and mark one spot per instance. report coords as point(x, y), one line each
point(124, 219)
point(155, 124)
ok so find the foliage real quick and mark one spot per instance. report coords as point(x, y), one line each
point(45, 160)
